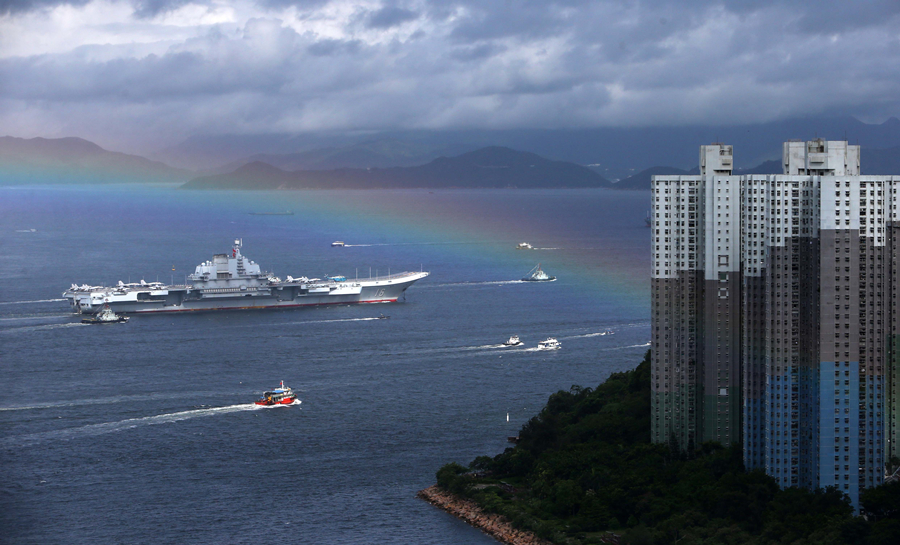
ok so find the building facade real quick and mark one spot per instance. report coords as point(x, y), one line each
point(775, 306)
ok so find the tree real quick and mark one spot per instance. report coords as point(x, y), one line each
point(881, 502)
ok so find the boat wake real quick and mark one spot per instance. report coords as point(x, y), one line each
point(32, 317)
point(484, 347)
point(625, 347)
point(41, 327)
point(643, 323)
point(502, 348)
point(336, 320)
point(92, 430)
point(31, 302)
point(496, 348)
point(339, 320)
point(588, 335)
point(472, 284)
point(410, 244)
point(108, 401)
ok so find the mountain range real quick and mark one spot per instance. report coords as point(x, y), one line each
point(569, 158)
point(369, 154)
point(490, 167)
point(642, 179)
point(74, 160)
point(615, 153)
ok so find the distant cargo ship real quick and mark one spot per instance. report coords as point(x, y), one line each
point(233, 282)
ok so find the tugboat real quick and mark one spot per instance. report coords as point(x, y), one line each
point(524, 246)
point(513, 341)
point(549, 344)
point(105, 316)
point(537, 275)
point(279, 396)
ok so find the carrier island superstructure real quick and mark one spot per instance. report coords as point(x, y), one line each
point(233, 282)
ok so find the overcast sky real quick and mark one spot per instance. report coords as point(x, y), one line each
point(134, 75)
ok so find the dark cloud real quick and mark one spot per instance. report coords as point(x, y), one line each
point(325, 48)
point(491, 21)
point(846, 16)
point(8, 7)
point(476, 52)
point(462, 63)
point(301, 4)
point(144, 8)
point(152, 8)
point(390, 16)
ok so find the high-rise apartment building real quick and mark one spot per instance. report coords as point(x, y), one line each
point(776, 314)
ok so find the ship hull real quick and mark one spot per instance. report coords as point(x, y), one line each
point(172, 299)
point(288, 401)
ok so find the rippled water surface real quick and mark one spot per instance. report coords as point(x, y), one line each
point(145, 432)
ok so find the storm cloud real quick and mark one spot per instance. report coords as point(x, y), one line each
point(144, 73)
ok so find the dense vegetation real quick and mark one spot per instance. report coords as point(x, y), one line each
point(584, 467)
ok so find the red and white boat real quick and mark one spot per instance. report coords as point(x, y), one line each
point(279, 396)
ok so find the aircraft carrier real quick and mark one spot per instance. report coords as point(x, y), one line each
point(233, 282)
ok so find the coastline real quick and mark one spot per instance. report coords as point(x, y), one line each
point(468, 511)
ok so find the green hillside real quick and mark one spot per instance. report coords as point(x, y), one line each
point(584, 467)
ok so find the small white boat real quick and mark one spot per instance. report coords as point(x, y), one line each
point(549, 344)
point(524, 246)
point(513, 341)
point(538, 275)
point(337, 244)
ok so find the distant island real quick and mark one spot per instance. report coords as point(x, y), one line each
point(77, 161)
point(490, 167)
point(583, 471)
point(384, 162)
point(614, 152)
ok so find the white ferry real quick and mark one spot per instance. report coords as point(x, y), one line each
point(549, 344)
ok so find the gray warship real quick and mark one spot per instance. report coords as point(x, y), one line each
point(233, 282)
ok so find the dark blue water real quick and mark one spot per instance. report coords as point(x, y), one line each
point(145, 432)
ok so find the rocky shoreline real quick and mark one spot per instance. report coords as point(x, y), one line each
point(493, 525)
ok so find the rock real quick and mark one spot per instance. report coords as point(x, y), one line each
point(493, 525)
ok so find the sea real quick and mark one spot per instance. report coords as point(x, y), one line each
point(146, 432)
